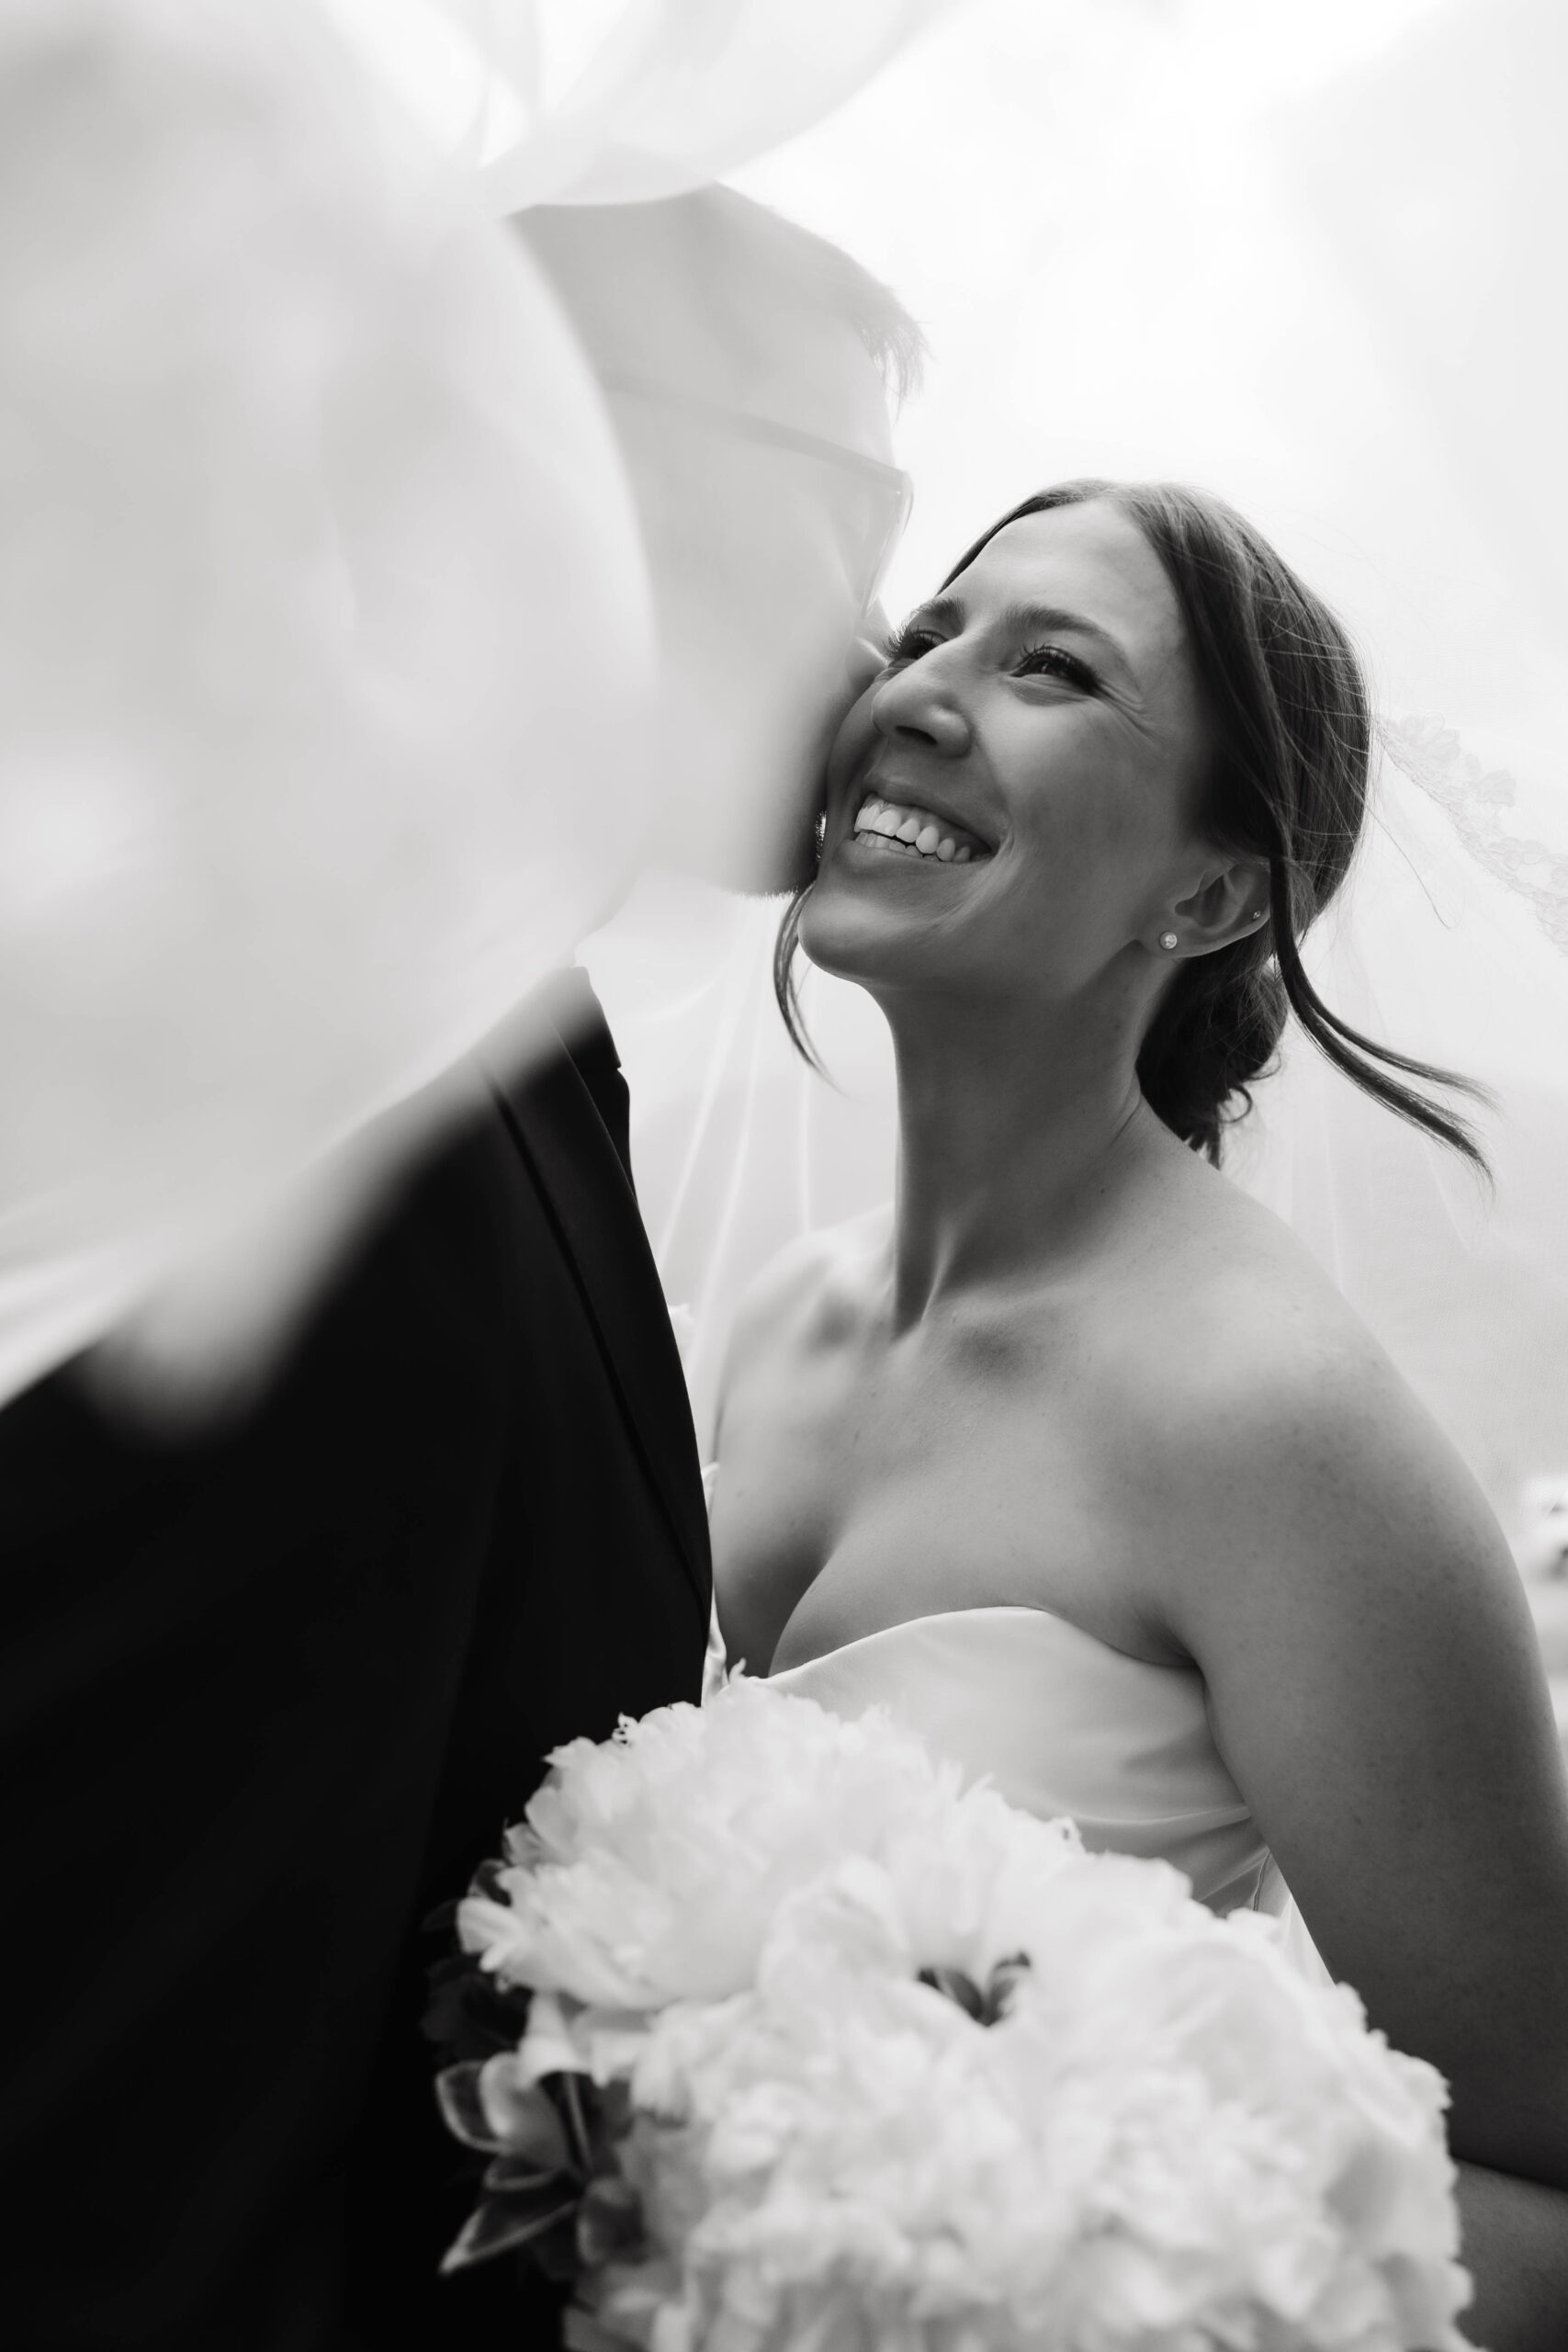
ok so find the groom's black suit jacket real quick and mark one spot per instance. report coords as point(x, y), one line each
point(270, 1695)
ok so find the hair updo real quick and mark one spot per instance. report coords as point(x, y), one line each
point(1292, 725)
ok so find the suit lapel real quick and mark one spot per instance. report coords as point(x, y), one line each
point(587, 1191)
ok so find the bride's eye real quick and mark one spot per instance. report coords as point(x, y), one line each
point(908, 644)
point(1054, 662)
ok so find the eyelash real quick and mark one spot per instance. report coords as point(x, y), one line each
point(901, 645)
point(908, 644)
point(1068, 665)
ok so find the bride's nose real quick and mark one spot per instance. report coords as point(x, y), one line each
point(919, 704)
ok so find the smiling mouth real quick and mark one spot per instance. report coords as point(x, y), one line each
point(903, 829)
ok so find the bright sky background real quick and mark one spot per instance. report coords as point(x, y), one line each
point(1115, 222)
point(1241, 241)
point(1297, 255)
point(1294, 253)
point(1307, 255)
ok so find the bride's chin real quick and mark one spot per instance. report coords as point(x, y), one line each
point(841, 935)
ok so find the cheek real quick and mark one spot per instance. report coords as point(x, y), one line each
point(1084, 873)
point(856, 737)
point(1089, 815)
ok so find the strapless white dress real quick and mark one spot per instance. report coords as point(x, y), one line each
point(1059, 1723)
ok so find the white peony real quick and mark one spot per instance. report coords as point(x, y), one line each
point(1168, 2142)
point(649, 1867)
point(1108, 2123)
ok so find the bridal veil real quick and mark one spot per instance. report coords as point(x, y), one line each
point(327, 628)
point(1306, 259)
point(331, 717)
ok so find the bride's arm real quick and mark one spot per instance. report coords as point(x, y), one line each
point(1376, 1689)
point(1514, 2235)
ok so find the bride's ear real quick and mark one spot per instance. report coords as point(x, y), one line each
point(1231, 902)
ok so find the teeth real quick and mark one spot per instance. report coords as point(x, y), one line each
point(909, 830)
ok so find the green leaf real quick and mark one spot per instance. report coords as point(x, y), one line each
point(502, 2225)
point(957, 1987)
point(1002, 1984)
point(581, 2332)
point(462, 2109)
point(529, 2120)
point(609, 2221)
point(513, 2176)
point(575, 2104)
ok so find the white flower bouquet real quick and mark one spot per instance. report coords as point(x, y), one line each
point(824, 2053)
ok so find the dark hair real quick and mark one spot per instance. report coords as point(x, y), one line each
point(1288, 704)
point(747, 268)
point(754, 253)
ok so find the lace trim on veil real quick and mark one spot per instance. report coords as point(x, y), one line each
point(1435, 760)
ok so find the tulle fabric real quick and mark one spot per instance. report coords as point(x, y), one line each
point(334, 707)
point(309, 488)
point(1327, 305)
point(324, 621)
point(621, 101)
point(739, 1147)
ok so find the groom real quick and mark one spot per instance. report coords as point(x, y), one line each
point(268, 1694)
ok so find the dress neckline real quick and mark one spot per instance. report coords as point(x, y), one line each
point(995, 1608)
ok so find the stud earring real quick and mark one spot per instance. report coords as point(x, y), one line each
point(1168, 939)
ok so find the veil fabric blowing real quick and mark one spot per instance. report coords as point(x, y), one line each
point(1368, 365)
point(327, 625)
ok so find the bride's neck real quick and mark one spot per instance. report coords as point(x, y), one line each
point(1015, 1130)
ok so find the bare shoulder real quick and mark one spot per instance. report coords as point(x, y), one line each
point(1264, 1386)
point(1373, 1677)
point(813, 1294)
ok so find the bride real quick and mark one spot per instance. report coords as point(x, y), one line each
point(1073, 1458)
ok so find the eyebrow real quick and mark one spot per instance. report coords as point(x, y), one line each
point(1020, 620)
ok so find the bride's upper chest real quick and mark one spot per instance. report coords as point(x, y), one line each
point(973, 1461)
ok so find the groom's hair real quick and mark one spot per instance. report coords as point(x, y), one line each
point(756, 251)
point(742, 268)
